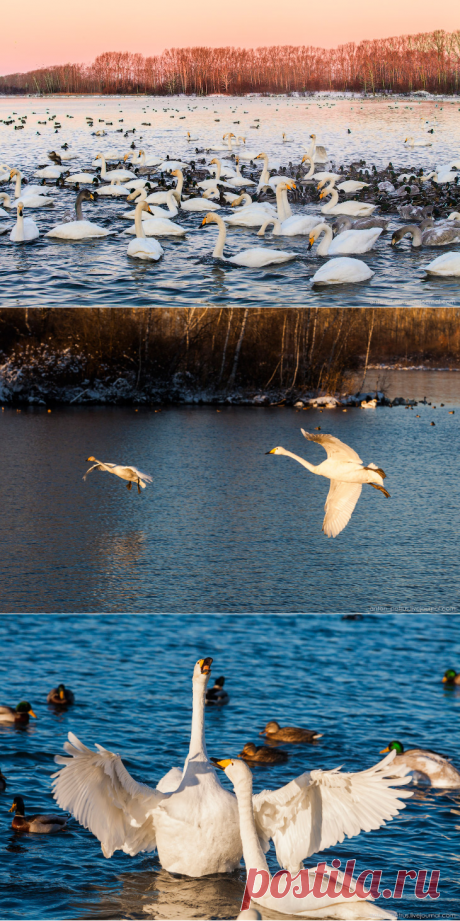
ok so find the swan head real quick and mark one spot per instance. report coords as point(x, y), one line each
point(209, 218)
point(14, 172)
point(202, 669)
point(313, 136)
point(260, 156)
point(91, 460)
point(237, 771)
point(214, 161)
point(276, 451)
point(396, 746)
point(20, 209)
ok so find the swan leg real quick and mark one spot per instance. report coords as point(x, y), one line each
point(381, 489)
point(138, 488)
point(128, 485)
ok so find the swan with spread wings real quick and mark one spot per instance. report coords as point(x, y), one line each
point(345, 469)
point(132, 474)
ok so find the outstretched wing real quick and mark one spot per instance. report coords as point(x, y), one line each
point(333, 446)
point(171, 781)
point(321, 808)
point(136, 472)
point(96, 788)
point(340, 503)
point(94, 467)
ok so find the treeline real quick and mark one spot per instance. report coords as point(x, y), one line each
point(221, 349)
point(427, 61)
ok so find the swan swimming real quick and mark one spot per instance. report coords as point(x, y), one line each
point(342, 270)
point(428, 236)
point(255, 258)
point(348, 241)
point(446, 265)
point(25, 228)
point(79, 229)
point(344, 468)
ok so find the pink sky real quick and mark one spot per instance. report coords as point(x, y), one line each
point(50, 32)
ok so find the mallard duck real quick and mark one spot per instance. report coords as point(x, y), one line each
point(261, 754)
point(278, 733)
point(2, 782)
point(451, 677)
point(216, 696)
point(425, 764)
point(20, 715)
point(37, 824)
point(60, 696)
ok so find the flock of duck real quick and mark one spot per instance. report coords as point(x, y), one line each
point(252, 193)
point(198, 827)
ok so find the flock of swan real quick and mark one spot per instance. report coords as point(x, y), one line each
point(200, 828)
point(239, 188)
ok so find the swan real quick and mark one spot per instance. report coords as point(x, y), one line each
point(426, 765)
point(50, 172)
point(132, 184)
point(344, 468)
point(411, 143)
point(265, 178)
point(173, 209)
point(158, 227)
point(132, 474)
point(189, 818)
point(161, 198)
point(5, 172)
point(82, 178)
point(78, 229)
point(113, 173)
point(369, 404)
point(429, 236)
point(287, 140)
point(343, 222)
point(342, 271)
point(140, 195)
point(358, 208)
point(29, 196)
point(349, 241)
point(210, 183)
point(114, 190)
point(141, 248)
point(200, 204)
point(140, 158)
point(446, 265)
point(317, 152)
point(441, 176)
point(322, 806)
point(253, 215)
point(254, 258)
point(297, 225)
point(4, 200)
point(167, 166)
point(352, 185)
point(237, 179)
point(189, 137)
point(25, 228)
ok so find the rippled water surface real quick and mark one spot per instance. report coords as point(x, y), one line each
point(361, 684)
point(223, 527)
point(52, 272)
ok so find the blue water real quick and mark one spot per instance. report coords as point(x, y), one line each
point(223, 527)
point(47, 272)
point(359, 683)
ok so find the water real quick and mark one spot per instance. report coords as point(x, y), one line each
point(359, 683)
point(224, 527)
point(58, 273)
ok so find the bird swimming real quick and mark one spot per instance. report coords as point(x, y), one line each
point(36, 824)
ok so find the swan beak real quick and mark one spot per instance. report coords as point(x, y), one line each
point(384, 750)
point(31, 713)
point(271, 452)
point(204, 221)
point(125, 157)
point(91, 196)
point(205, 665)
point(221, 764)
point(311, 240)
point(322, 195)
point(291, 185)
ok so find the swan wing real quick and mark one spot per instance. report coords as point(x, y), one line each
point(171, 781)
point(321, 808)
point(136, 472)
point(96, 788)
point(333, 446)
point(340, 504)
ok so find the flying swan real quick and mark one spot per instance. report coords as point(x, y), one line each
point(344, 468)
point(132, 474)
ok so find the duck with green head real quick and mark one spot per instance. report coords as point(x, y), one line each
point(18, 716)
point(451, 677)
point(37, 824)
point(427, 766)
point(60, 696)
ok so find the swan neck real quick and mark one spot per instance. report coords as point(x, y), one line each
point(103, 169)
point(197, 740)
point(78, 210)
point(17, 188)
point(301, 460)
point(333, 201)
point(252, 851)
point(219, 247)
point(282, 204)
point(138, 220)
point(323, 247)
point(179, 186)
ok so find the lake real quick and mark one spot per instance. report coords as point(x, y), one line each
point(223, 527)
point(86, 273)
point(361, 684)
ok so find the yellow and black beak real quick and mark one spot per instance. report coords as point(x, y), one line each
point(221, 764)
point(31, 713)
point(205, 665)
point(204, 221)
point(270, 452)
point(384, 750)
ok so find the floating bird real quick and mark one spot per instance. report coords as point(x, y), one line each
point(425, 764)
point(217, 696)
point(451, 677)
point(344, 468)
point(36, 824)
point(79, 229)
point(261, 754)
point(19, 716)
point(288, 733)
point(255, 258)
point(342, 270)
point(24, 229)
point(132, 474)
point(60, 696)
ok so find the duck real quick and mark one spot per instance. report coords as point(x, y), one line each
point(342, 270)
point(132, 474)
point(255, 258)
point(278, 733)
point(79, 229)
point(425, 765)
point(141, 248)
point(2, 782)
point(427, 236)
point(358, 208)
point(451, 677)
point(25, 228)
point(347, 474)
point(19, 716)
point(217, 696)
point(296, 817)
point(35, 824)
point(347, 241)
point(447, 265)
point(183, 818)
point(60, 696)
point(261, 754)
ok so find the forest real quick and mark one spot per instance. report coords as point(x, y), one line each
point(221, 350)
point(429, 61)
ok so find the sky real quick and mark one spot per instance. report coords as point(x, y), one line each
point(51, 32)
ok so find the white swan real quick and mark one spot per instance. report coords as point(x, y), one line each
point(210, 183)
point(352, 185)
point(345, 207)
point(30, 196)
point(446, 265)
point(141, 248)
point(254, 258)
point(189, 137)
point(79, 229)
point(140, 158)
point(349, 241)
point(114, 190)
point(113, 174)
point(161, 198)
point(200, 204)
point(369, 404)
point(132, 474)
point(287, 140)
point(25, 228)
point(411, 143)
point(344, 468)
point(237, 180)
point(154, 226)
point(138, 195)
point(172, 210)
point(265, 178)
point(297, 225)
point(4, 200)
point(189, 818)
point(342, 270)
point(318, 153)
point(50, 172)
point(325, 806)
